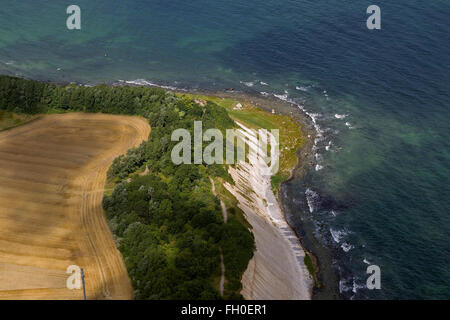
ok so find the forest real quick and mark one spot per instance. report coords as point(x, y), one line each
point(167, 223)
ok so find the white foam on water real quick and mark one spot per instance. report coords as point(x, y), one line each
point(318, 156)
point(301, 88)
point(311, 198)
point(283, 97)
point(343, 287)
point(318, 139)
point(340, 116)
point(357, 286)
point(313, 116)
point(263, 83)
point(349, 285)
point(347, 246)
point(248, 83)
point(349, 125)
point(146, 83)
point(337, 235)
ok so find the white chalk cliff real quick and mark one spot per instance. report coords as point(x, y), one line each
point(277, 270)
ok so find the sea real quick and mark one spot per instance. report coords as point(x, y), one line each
point(378, 101)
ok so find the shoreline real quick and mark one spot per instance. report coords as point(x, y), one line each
point(265, 103)
point(304, 155)
point(265, 278)
point(327, 281)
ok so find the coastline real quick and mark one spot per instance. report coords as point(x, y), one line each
point(269, 222)
point(265, 277)
point(294, 186)
point(294, 250)
point(261, 217)
point(326, 285)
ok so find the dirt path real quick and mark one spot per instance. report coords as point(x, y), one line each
point(222, 276)
point(222, 204)
point(225, 218)
point(52, 175)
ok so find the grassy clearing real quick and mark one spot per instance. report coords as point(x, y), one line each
point(277, 179)
point(310, 265)
point(291, 138)
point(109, 186)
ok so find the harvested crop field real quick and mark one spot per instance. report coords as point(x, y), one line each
point(52, 176)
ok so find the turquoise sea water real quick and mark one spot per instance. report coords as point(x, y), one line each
point(380, 100)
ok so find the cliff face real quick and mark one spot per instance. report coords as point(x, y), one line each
point(277, 270)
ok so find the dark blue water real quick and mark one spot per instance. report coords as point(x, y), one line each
point(380, 100)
